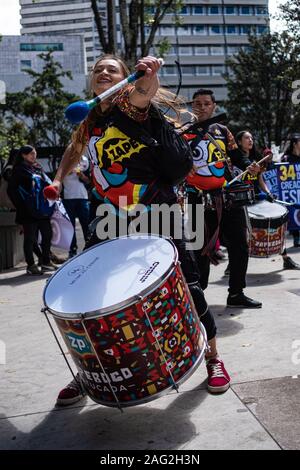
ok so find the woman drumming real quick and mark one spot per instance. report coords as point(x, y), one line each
point(137, 157)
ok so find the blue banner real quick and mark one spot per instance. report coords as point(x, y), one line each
point(283, 180)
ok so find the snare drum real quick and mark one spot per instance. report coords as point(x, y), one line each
point(238, 195)
point(128, 320)
point(268, 222)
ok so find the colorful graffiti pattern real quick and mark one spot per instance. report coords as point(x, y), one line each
point(266, 242)
point(142, 349)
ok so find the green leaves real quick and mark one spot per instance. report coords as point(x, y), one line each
point(260, 87)
point(36, 115)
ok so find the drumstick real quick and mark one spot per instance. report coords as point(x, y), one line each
point(246, 171)
point(286, 203)
point(78, 111)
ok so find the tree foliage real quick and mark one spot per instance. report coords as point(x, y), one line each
point(135, 17)
point(36, 115)
point(260, 87)
point(290, 13)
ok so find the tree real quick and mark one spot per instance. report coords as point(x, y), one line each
point(135, 16)
point(290, 13)
point(260, 87)
point(38, 111)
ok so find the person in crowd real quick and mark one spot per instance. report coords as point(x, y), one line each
point(292, 155)
point(215, 152)
point(5, 201)
point(144, 169)
point(25, 189)
point(247, 147)
point(76, 200)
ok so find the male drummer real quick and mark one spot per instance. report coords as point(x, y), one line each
point(215, 143)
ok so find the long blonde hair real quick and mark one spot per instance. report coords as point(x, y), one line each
point(163, 98)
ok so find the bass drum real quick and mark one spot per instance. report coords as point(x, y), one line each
point(268, 222)
point(128, 320)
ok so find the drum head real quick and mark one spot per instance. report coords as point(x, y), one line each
point(267, 214)
point(109, 276)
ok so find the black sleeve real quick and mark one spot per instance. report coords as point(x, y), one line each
point(175, 155)
point(239, 159)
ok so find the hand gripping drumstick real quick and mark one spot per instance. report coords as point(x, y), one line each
point(78, 111)
point(246, 171)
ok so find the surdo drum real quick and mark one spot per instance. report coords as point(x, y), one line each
point(128, 320)
point(268, 226)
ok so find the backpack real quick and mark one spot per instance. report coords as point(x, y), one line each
point(4, 198)
point(37, 205)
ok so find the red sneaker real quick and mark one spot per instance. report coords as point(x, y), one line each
point(70, 394)
point(218, 377)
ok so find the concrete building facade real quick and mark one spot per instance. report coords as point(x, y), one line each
point(18, 53)
point(211, 30)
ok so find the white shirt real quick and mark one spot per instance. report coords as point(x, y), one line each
point(74, 188)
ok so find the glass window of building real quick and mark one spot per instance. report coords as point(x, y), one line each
point(245, 10)
point(261, 10)
point(261, 29)
point(167, 30)
point(218, 69)
point(169, 70)
point(199, 10)
point(202, 70)
point(172, 51)
point(201, 50)
point(231, 29)
point(25, 64)
point(215, 29)
point(200, 29)
point(230, 10)
point(185, 50)
point(42, 47)
point(214, 10)
point(184, 11)
point(217, 50)
point(188, 70)
point(245, 30)
point(184, 30)
point(233, 49)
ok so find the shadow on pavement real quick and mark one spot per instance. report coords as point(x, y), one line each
point(103, 428)
point(263, 279)
point(224, 317)
point(23, 278)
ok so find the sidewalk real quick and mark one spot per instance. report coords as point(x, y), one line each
point(260, 411)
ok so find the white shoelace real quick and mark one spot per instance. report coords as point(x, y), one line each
point(217, 370)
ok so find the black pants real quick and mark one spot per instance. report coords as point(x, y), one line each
point(192, 276)
point(30, 240)
point(233, 232)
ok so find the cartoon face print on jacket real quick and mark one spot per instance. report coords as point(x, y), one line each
point(115, 157)
point(205, 152)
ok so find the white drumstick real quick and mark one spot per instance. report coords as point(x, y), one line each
point(246, 171)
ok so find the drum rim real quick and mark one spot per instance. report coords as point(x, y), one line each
point(163, 392)
point(121, 305)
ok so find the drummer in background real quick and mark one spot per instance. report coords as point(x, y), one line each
point(231, 222)
point(140, 172)
point(292, 155)
point(246, 145)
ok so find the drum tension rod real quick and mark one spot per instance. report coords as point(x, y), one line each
point(45, 311)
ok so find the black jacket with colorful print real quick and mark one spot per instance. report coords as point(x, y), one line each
point(138, 161)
